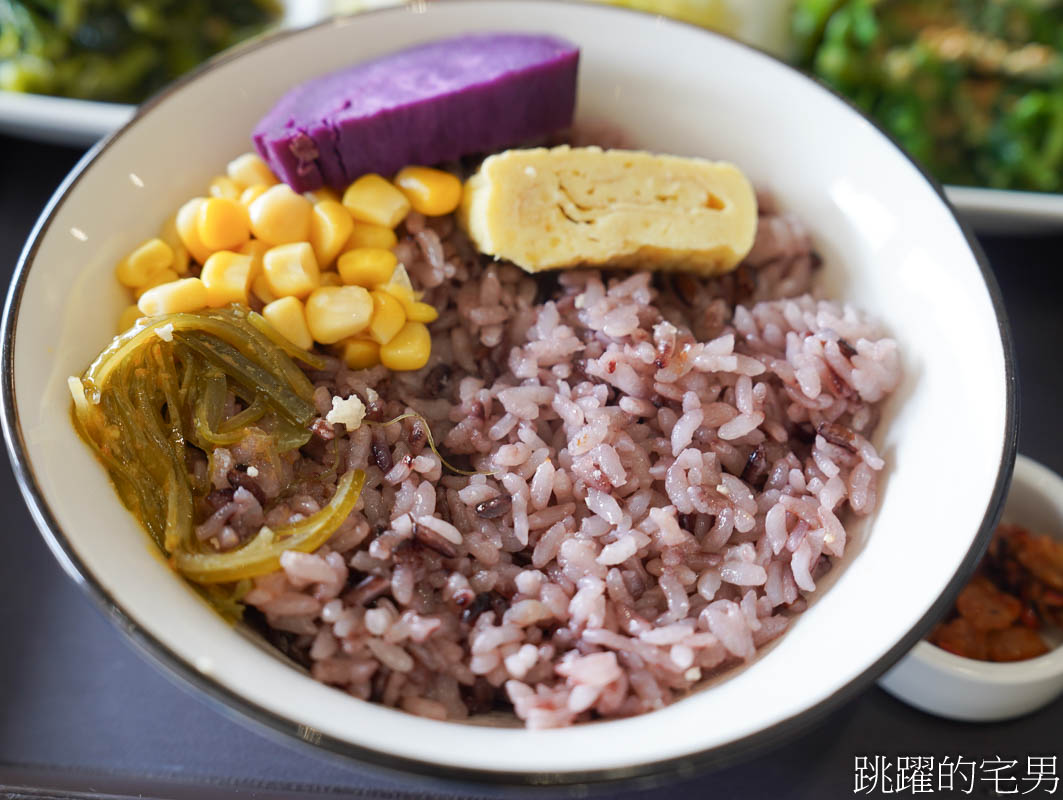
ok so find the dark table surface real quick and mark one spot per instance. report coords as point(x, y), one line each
point(81, 712)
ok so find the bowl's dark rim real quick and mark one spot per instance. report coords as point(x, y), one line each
point(243, 710)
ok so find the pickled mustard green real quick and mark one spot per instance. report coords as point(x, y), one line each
point(159, 392)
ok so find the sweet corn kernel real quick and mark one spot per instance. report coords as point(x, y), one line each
point(227, 276)
point(330, 227)
point(367, 266)
point(181, 259)
point(157, 279)
point(187, 294)
point(336, 312)
point(324, 193)
point(388, 317)
point(249, 169)
point(376, 200)
point(331, 279)
point(187, 223)
point(289, 318)
point(251, 194)
point(361, 353)
point(280, 216)
point(400, 277)
point(137, 268)
point(365, 235)
point(224, 186)
point(291, 270)
point(420, 312)
point(431, 192)
point(169, 234)
point(127, 318)
point(409, 350)
point(403, 294)
point(256, 249)
point(260, 288)
point(222, 224)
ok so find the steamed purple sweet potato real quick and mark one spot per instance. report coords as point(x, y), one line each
point(434, 102)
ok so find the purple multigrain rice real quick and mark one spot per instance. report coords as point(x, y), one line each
point(495, 507)
point(671, 461)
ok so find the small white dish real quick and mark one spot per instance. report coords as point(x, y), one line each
point(890, 245)
point(936, 681)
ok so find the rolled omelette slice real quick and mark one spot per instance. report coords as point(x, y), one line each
point(563, 207)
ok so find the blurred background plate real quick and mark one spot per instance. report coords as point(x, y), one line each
point(998, 211)
point(65, 120)
point(60, 120)
point(769, 25)
point(765, 24)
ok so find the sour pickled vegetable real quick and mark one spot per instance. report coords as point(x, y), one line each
point(261, 555)
point(173, 388)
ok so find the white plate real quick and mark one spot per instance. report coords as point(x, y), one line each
point(60, 120)
point(64, 120)
point(1000, 211)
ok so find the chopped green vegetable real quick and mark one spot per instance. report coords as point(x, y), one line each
point(972, 89)
point(117, 50)
point(159, 393)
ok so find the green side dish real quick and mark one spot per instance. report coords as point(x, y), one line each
point(117, 50)
point(152, 407)
point(971, 88)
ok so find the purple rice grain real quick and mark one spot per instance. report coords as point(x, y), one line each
point(434, 541)
point(838, 435)
point(368, 589)
point(381, 452)
point(495, 507)
point(588, 593)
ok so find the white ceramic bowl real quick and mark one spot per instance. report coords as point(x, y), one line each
point(891, 244)
point(939, 682)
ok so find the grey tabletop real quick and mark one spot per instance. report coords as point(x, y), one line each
point(82, 712)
